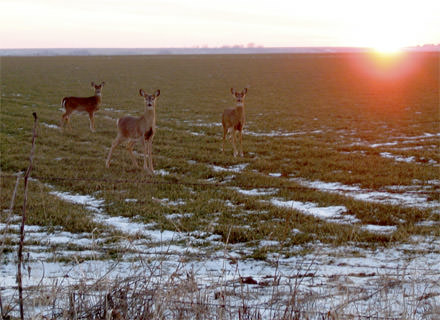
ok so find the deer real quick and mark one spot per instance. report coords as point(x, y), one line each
point(133, 129)
point(83, 104)
point(233, 120)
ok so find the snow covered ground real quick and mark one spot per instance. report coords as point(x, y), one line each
point(349, 279)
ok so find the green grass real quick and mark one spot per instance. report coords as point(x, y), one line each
point(336, 107)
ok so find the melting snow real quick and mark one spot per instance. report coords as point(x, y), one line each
point(89, 202)
point(276, 175)
point(196, 133)
point(52, 126)
point(277, 133)
point(237, 168)
point(174, 216)
point(332, 274)
point(161, 172)
point(379, 229)
point(331, 214)
point(405, 140)
point(38, 233)
point(398, 158)
point(404, 199)
point(202, 124)
point(168, 202)
point(256, 192)
point(122, 224)
point(165, 236)
point(365, 269)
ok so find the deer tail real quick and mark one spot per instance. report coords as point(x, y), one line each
point(63, 104)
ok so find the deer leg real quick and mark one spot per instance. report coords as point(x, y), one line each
point(225, 132)
point(68, 123)
point(92, 121)
point(150, 155)
point(65, 118)
point(146, 144)
point(115, 143)
point(65, 114)
point(240, 137)
point(130, 151)
point(233, 143)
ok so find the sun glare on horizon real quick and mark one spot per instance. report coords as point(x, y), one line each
point(390, 27)
point(385, 41)
point(388, 49)
point(387, 64)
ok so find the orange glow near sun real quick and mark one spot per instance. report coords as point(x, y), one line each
point(387, 65)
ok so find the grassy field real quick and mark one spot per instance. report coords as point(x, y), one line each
point(322, 131)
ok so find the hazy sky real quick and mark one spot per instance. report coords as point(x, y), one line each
point(214, 23)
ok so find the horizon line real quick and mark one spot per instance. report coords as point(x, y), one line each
point(225, 50)
point(235, 46)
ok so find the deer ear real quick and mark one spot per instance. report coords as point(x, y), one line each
point(103, 83)
point(232, 91)
point(93, 84)
point(157, 93)
point(141, 92)
point(245, 90)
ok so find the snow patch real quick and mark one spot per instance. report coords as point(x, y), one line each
point(89, 202)
point(403, 199)
point(278, 133)
point(275, 175)
point(52, 126)
point(237, 168)
point(330, 214)
point(379, 229)
point(256, 192)
point(168, 202)
point(399, 140)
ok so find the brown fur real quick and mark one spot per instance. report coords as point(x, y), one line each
point(234, 119)
point(141, 128)
point(81, 104)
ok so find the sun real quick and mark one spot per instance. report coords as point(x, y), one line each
point(384, 30)
point(388, 49)
point(385, 41)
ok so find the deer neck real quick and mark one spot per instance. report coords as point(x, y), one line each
point(98, 97)
point(239, 109)
point(150, 114)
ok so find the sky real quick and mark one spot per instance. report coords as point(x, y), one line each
point(217, 23)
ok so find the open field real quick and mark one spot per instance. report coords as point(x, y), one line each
point(335, 202)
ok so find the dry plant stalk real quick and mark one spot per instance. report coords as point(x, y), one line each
point(23, 219)
point(11, 206)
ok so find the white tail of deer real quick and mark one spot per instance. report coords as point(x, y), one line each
point(81, 104)
point(140, 128)
point(233, 120)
